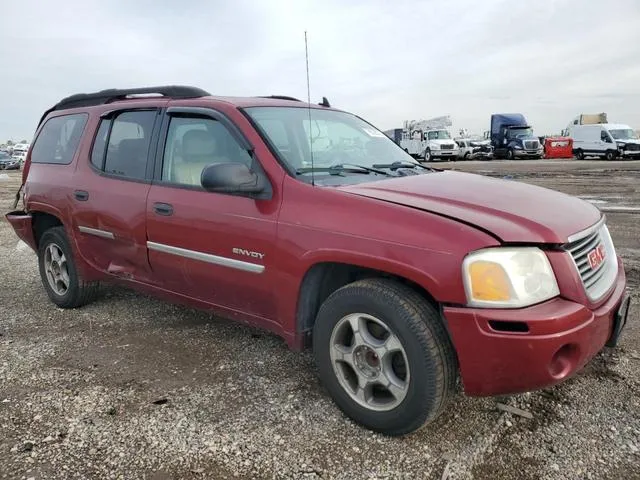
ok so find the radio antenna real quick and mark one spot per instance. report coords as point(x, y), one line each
point(306, 56)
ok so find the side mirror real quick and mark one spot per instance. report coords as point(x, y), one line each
point(231, 178)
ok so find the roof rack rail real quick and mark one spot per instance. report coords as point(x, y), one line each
point(281, 97)
point(114, 94)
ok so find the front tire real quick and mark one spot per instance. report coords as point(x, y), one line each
point(510, 154)
point(427, 155)
point(610, 155)
point(58, 271)
point(384, 355)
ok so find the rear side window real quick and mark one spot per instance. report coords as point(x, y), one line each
point(121, 146)
point(59, 139)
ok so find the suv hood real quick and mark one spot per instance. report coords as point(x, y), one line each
point(510, 210)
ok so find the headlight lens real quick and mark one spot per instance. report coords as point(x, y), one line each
point(508, 277)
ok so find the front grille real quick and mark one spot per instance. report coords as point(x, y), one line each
point(632, 147)
point(446, 147)
point(531, 145)
point(597, 281)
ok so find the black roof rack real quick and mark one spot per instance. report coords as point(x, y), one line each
point(282, 97)
point(114, 94)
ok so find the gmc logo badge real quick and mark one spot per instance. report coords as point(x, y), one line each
point(596, 257)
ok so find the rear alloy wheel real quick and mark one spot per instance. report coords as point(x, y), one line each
point(58, 272)
point(384, 356)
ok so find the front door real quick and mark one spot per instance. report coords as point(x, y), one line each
point(212, 247)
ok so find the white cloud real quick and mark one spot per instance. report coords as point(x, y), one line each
point(387, 61)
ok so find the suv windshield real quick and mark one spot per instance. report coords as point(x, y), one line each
point(438, 135)
point(519, 132)
point(623, 134)
point(336, 138)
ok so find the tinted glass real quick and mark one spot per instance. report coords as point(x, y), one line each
point(194, 143)
point(97, 153)
point(59, 139)
point(128, 146)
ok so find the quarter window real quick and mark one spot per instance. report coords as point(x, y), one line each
point(59, 139)
point(194, 143)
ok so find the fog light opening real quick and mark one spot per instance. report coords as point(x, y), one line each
point(509, 326)
point(564, 360)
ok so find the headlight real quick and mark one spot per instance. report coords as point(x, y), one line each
point(508, 277)
point(517, 147)
point(435, 147)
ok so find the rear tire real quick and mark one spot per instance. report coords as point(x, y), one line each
point(579, 154)
point(59, 274)
point(423, 347)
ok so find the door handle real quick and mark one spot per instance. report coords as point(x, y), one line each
point(164, 209)
point(81, 195)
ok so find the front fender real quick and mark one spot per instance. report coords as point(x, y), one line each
point(387, 265)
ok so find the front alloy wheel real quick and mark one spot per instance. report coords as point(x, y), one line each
point(369, 362)
point(384, 355)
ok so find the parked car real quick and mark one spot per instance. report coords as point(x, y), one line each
point(471, 149)
point(7, 162)
point(313, 224)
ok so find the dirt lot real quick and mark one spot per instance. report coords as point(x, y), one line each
point(130, 387)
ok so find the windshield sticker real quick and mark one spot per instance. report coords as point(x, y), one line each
point(373, 133)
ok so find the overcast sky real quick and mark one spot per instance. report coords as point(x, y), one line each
point(385, 60)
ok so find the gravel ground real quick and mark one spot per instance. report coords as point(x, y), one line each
point(131, 387)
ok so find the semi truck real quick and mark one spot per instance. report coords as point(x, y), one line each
point(512, 137)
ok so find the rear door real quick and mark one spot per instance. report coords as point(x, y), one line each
point(213, 247)
point(111, 185)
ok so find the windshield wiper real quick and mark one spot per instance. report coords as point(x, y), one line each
point(396, 165)
point(343, 167)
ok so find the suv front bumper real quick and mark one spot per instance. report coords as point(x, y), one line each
point(561, 337)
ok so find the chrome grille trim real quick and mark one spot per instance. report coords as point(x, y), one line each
point(586, 231)
point(597, 282)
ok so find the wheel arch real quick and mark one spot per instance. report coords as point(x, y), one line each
point(41, 222)
point(323, 278)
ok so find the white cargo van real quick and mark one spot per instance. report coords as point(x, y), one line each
point(606, 140)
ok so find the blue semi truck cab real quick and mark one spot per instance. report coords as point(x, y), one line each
point(512, 137)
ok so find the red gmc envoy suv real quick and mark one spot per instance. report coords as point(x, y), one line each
point(309, 222)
